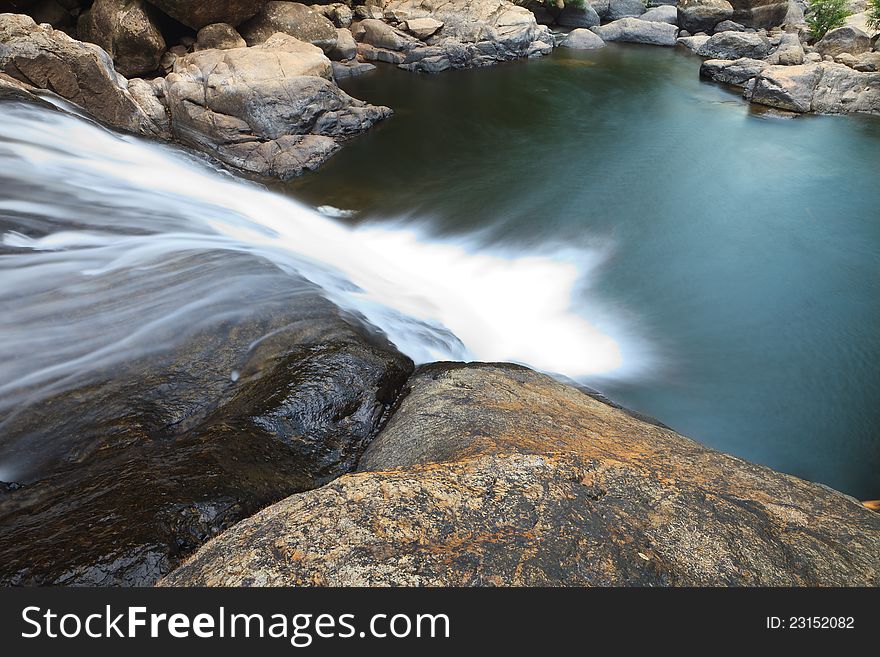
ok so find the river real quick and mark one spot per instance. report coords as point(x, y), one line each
point(603, 216)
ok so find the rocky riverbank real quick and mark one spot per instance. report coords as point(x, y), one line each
point(255, 86)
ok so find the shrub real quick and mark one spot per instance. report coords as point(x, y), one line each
point(874, 14)
point(825, 15)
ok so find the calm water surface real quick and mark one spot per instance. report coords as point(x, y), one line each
point(742, 247)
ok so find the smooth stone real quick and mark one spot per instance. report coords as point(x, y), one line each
point(582, 39)
point(735, 45)
point(634, 30)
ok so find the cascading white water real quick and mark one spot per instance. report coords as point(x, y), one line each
point(96, 267)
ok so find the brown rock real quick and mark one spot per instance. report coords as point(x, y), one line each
point(79, 72)
point(271, 109)
point(221, 36)
point(291, 18)
point(496, 475)
point(127, 32)
point(198, 13)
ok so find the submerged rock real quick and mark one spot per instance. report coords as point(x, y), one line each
point(271, 109)
point(153, 458)
point(82, 73)
point(496, 475)
point(634, 30)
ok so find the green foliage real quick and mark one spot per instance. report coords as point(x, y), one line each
point(874, 14)
point(825, 15)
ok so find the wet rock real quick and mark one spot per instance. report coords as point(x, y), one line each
point(79, 72)
point(127, 31)
point(634, 30)
point(496, 475)
point(219, 36)
point(735, 45)
point(661, 14)
point(582, 39)
point(156, 457)
point(199, 13)
point(737, 73)
point(290, 18)
point(844, 40)
point(271, 109)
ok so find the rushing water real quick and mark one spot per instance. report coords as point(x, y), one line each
point(741, 249)
point(604, 216)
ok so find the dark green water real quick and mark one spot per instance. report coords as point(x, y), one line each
point(743, 247)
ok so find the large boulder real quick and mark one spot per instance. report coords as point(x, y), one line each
point(786, 87)
point(735, 45)
point(702, 15)
point(661, 14)
point(271, 109)
point(612, 10)
point(127, 31)
point(841, 90)
point(575, 17)
point(582, 39)
point(844, 40)
point(220, 36)
point(634, 30)
point(198, 13)
point(737, 73)
point(156, 455)
point(824, 87)
point(291, 18)
point(82, 73)
point(382, 35)
point(761, 13)
point(496, 475)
